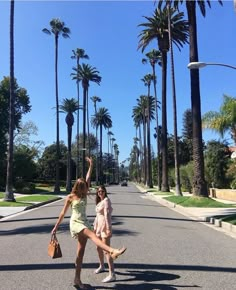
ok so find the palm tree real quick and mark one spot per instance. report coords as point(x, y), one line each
point(137, 118)
point(116, 163)
point(69, 106)
point(9, 195)
point(154, 57)
point(57, 28)
point(147, 82)
point(109, 149)
point(78, 54)
point(156, 28)
point(176, 143)
point(86, 74)
point(199, 182)
point(224, 120)
point(95, 100)
point(140, 115)
point(101, 119)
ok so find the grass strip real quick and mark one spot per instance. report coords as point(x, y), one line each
point(28, 200)
point(194, 201)
point(36, 198)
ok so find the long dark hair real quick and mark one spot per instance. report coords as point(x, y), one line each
point(103, 188)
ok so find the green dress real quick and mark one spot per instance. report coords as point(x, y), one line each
point(78, 220)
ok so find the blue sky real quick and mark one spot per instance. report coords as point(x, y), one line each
point(108, 31)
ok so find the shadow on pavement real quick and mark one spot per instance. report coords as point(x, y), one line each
point(130, 269)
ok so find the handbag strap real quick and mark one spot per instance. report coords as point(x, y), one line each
point(54, 237)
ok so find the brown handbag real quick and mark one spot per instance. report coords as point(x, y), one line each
point(54, 249)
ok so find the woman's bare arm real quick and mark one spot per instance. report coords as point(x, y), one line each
point(62, 213)
point(88, 175)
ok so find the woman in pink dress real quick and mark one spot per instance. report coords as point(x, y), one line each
point(103, 230)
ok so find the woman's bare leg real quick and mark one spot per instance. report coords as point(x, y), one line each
point(91, 235)
point(100, 256)
point(82, 240)
point(108, 257)
point(115, 253)
point(101, 260)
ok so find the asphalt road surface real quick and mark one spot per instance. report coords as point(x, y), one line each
point(166, 250)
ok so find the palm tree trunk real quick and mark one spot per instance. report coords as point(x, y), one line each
point(141, 154)
point(149, 159)
point(68, 176)
point(77, 139)
point(199, 183)
point(84, 129)
point(165, 184)
point(57, 182)
point(144, 150)
point(9, 195)
point(157, 126)
point(87, 112)
point(176, 145)
point(100, 161)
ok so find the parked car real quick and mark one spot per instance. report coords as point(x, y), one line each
point(124, 183)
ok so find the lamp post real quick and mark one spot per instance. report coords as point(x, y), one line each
point(197, 65)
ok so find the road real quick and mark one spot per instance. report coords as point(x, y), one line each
point(166, 250)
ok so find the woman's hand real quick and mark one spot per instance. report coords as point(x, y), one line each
point(54, 230)
point(108, 233)
point(90, 160)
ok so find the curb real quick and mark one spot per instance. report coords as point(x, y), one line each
point(41, 203)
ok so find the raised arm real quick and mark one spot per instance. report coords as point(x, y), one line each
point(88, 175)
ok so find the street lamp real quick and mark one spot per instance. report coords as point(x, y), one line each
point(197, 65)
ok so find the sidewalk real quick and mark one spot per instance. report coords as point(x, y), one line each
point(210, 216)
point(8, 211)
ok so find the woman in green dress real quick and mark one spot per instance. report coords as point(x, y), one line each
point(79, 224)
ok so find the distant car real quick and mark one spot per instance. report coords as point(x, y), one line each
point(124, 183)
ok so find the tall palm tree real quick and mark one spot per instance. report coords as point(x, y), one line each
point(112, 140)
point(176, 142)
point(102, 119)
point(156, 28)
point(154, 57)
point(57, 28)
point(147, 82)
point(137, 118)
point(9, 195)
point(78, 54)
point(140, 115)
point(109, 149)
point(136, 152)
point(69, 106)
point(224, 120)
point(199, 182)
point(116, 157)
point(86, 74)
point(95, 100)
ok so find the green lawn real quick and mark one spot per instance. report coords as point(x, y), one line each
point(29, 200)
point(156, 192)
point(197, 201)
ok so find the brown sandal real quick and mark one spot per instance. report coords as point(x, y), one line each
point(117, 252)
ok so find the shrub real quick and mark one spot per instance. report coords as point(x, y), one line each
point(24, 187)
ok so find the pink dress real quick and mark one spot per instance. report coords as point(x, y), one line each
point(102, 222)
